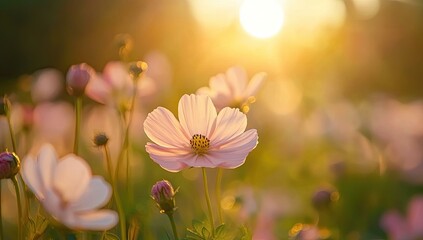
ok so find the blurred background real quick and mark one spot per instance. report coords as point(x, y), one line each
point(341, 110)
point(361, 46)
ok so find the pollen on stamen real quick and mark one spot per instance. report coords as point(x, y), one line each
point(199, 143)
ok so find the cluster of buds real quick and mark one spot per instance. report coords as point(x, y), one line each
point(9, 165)
point(163, 193)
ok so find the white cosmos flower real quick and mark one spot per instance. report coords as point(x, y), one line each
point(68, 191)
point(232, 89)
point(201, 137)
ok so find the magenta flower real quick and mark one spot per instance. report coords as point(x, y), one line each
point(232, 89)
point(201, 137)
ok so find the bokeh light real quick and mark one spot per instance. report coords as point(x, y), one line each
point(261, 18)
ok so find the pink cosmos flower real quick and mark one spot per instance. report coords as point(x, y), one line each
point(231, 89)
point(115, 87)
point(68, 191)
point(400, 228)
point(201, 137)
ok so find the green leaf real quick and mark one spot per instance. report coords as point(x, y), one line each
point(198, 226)
point(205, 233)
point(110, 236)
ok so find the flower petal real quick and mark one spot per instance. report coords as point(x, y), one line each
point(414, 215)
point(173, 160)
point(197, 114)
point(98, 90)
point(96, 195)
point(97, 220)
point(237, 80)
point(116, 74)
point(394, 224)
point(163, 129)
point(234, 153)
point(31, 176)
point(71, 177)
point(46, 162)
point(229, 124)
point(254, 84)
point(53, 205)
point(219, 85)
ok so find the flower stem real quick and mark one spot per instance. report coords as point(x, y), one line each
point(12, 135)
point(15, 179)
point(1, 221)
point(125, 145)
point(219, 193)
point(116, 197)
point(78, 108)
point(172, 222)
point(18, 201)
point(206, 192)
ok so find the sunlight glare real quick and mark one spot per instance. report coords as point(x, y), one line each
point(261, 18)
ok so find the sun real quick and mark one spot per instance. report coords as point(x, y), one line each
point(261, 18)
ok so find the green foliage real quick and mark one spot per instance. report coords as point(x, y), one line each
point(202, 231)
point(109, 236)
point(37, 226)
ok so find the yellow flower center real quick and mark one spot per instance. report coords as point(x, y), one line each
point(199, 143)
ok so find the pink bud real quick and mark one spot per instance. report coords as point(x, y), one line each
point(162, 192)
point(78, 77)
point(9, 165)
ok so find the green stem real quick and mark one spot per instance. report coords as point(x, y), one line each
point(1, 221)
point(78, 108)
point(116, 197)
point(14, 149)
point(12, 135)
point(206, 192)
point(219, 193)
point(18, 201)
point(172, 222)
point(125, 146)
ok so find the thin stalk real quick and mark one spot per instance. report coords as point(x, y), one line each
point(1, 221)
point(219, 193)
point(78, 108)
point(12, 135)
point(116, 197)
point(125, 145)
point(15, 181)
point(172, 222)
point(206, 192)
point(18, 201)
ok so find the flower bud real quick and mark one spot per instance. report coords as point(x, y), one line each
point(162, 192)
point(9, 165)
point(77, 78)
point(5, 106)
point(100, 139)
point(323, 198)
point(136, 68)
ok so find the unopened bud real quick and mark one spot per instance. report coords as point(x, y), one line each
point(162, 192)
point(9, 165)
point(323, 198)
point(7, 106)
point(100, 139)
point(77, 78)
point(136, 68)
